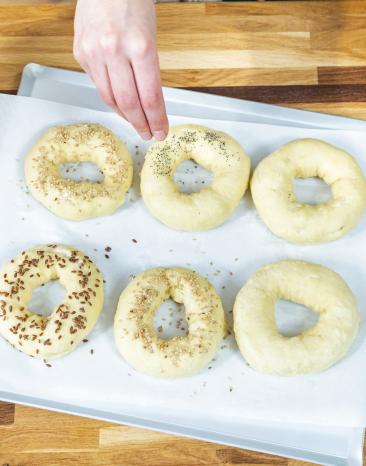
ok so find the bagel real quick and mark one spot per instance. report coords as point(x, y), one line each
point(136, 338)
point(71, 321)
point(274, 198)
point(214, 150)
point(315, 349)
point(79, 143)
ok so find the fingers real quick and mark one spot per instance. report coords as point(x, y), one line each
point(147, 76)
point(126, 95)
point(132, 87)
point(102, 83)
point(94, 66)
point(116, 46)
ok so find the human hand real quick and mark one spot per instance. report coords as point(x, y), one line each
point(115, 43)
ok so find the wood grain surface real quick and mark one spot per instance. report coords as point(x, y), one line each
point(305, 54)
point(37, 437)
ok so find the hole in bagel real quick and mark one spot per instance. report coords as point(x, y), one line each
point(170, 320)
point(81, 171)
point(293, 318)
point(311, 191)
point(192, 177)
point(46, 297)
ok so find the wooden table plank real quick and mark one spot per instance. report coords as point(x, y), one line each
point(292, 94)
point(238, 77)
point(40, 437)
point(304, 54)
point(7, 411)
point(342, 75)
point(238, 44)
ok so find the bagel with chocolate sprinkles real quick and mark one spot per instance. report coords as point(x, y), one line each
point(137, 339)
point(209, 208)
point(71, 321)
point(79, 200)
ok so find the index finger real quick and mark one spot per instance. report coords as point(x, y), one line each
point(148, 84)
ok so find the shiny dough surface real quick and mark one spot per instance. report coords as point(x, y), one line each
point(214, 150)
point(275, 200)
point(71, 321)
point(313, 350)
point(79, 143)
point(137, 339)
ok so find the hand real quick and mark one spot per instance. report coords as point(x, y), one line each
point(115, 43)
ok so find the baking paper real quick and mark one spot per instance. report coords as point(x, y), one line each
point(95, 375)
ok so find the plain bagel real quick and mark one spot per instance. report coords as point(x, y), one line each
point(315, 349)
point(79, 143)
point(137, 339)
point(71, 321)
point(214, 150)
point(274, 198)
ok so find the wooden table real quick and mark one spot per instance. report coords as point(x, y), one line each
point(306, 54)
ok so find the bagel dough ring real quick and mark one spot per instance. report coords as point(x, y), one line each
point(274, 198)
point(210, 207)
point(136, 338)
point(79, 143)
point(71, 321)
point(315, 349)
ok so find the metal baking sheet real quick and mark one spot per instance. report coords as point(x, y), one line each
point(330, 447)
point(74, 88)
point(338, 446)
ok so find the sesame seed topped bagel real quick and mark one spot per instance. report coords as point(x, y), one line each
point(71, 321)
point(214, 150)
point(180, 356)
point(313, 350)
point(274, 198)
point(79, 143)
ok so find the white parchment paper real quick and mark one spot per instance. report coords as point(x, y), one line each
point(227, 255)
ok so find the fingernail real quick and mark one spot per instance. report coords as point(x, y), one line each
point(146, 136)
point(160, 135)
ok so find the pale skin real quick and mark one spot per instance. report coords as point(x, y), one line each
point(115, 43)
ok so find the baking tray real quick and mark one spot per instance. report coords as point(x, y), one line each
point(336, 446)
point(74, 88)
point(331, 447)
